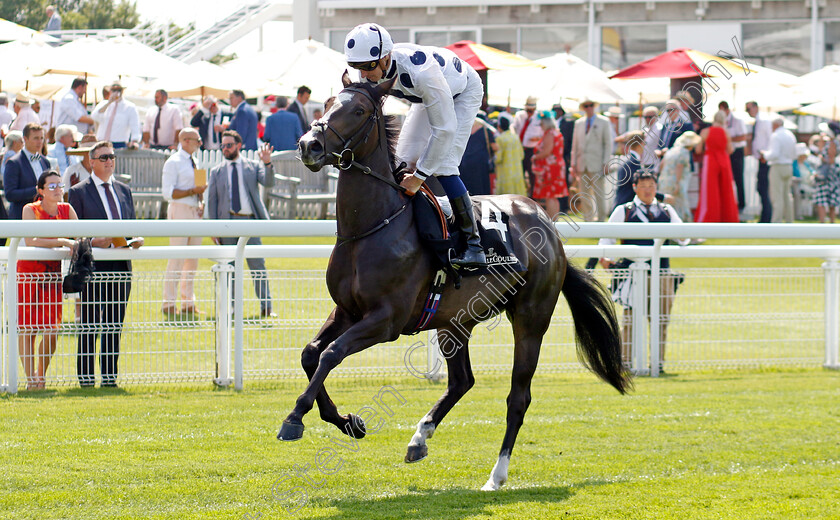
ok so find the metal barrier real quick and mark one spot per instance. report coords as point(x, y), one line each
point(721, 318)
point(297, 192)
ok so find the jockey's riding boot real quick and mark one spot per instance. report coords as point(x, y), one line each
point(474, 254)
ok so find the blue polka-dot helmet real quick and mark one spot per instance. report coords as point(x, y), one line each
point(367, 43)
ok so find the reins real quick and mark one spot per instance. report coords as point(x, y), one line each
point(346, 159)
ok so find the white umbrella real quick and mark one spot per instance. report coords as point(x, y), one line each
point(564, 76)
point(10, 31)
point(200, 79)
point(829, 109)
point(16, 71)
point(307, 62)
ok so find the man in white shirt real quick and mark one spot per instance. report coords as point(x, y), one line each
point(25, 114)
point(71, 110)
point(780, 157)
point(738, 134)
point(186, 202)
point(117, 120)
point(527, 127)
point(162, 124)
point(760, 140)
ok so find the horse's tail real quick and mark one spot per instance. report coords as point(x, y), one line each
point(596, 328)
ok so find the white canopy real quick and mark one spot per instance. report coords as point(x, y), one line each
point(10, 31)
point(565, 76)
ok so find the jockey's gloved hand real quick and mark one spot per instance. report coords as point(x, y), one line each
point(412, 183)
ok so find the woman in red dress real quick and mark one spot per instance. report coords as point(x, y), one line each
point(717, 197)
point(39, 283)
point(548, 166)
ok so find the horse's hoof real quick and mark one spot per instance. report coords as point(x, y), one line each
point(416, 453)
point(355, 427)
point(290, 431)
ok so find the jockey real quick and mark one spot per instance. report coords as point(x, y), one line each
point(445, 95)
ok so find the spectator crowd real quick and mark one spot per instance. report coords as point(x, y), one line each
point(574, 163)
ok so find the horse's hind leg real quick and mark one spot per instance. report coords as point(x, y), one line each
point(528, 330)
point(454, 346)
point(338, 322)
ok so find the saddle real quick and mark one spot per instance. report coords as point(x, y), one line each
point(440, 235)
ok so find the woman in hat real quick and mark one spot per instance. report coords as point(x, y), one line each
point(675, 173)
point(39, 282)
point(549, 167)
point(509, 174)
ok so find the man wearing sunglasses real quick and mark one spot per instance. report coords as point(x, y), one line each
point(445, 95)
point(104, 299)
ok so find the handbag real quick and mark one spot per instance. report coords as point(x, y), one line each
point(81, 268)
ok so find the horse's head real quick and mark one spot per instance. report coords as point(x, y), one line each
point(350, 129)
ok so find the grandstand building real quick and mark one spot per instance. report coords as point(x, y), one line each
point(796, 36)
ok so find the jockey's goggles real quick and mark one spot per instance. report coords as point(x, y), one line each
point(366, 66)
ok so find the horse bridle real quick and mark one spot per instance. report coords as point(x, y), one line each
point(346, 159)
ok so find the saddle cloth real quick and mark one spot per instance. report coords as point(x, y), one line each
point(438, 232)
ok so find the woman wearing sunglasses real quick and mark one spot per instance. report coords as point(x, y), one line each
point(445, 95)
point(39, 282)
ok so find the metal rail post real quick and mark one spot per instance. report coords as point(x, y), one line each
point(832, 328)
point(11, 314)
point(238, 311)
point(638, 348)
point(655, 318)
point(434, 359)
point(223, 273)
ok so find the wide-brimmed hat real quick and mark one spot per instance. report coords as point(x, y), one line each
point(586, 100)
point(531, 102)
point(614, 112)
point(684, 95)
point(802, 149)
point(23, 97)
point(832, 129)
point(688, 140)
point(82, 150)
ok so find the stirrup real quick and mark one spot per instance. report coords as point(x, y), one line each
point(470, 259)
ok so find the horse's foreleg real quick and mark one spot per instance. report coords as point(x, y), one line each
point(528, 331)
point(453, 345)
point(370, 330)
point(338, 322)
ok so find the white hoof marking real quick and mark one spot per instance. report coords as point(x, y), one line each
point(499, 474)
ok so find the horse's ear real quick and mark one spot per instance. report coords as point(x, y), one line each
point(345, 79)
point(383, 88)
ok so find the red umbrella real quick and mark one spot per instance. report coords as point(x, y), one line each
point(481, 57)
point(679, 63)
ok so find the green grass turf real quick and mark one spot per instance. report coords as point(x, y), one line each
point(748, 445)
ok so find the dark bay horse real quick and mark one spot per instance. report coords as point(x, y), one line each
point(379, 276)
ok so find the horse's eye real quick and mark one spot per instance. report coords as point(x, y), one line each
point(360, 112)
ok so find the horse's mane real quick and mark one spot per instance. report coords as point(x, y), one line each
point(392, 126)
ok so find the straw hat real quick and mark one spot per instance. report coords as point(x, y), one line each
point(802, 149)
point(23, 97)
point(688, 140)
point(614, 112)
point(82, 150)
point(685, 96)
point(587, 99)
point(531, 102)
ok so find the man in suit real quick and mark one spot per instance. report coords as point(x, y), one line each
point(591, 150)
point(232, 193)
point(633, 144)
point(298, 106)
point(282, 128)
point(23, 169)
point(104, 299)
point(208, 121)
point(244, 120)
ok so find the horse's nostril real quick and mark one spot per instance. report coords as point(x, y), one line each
point(315, 147)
